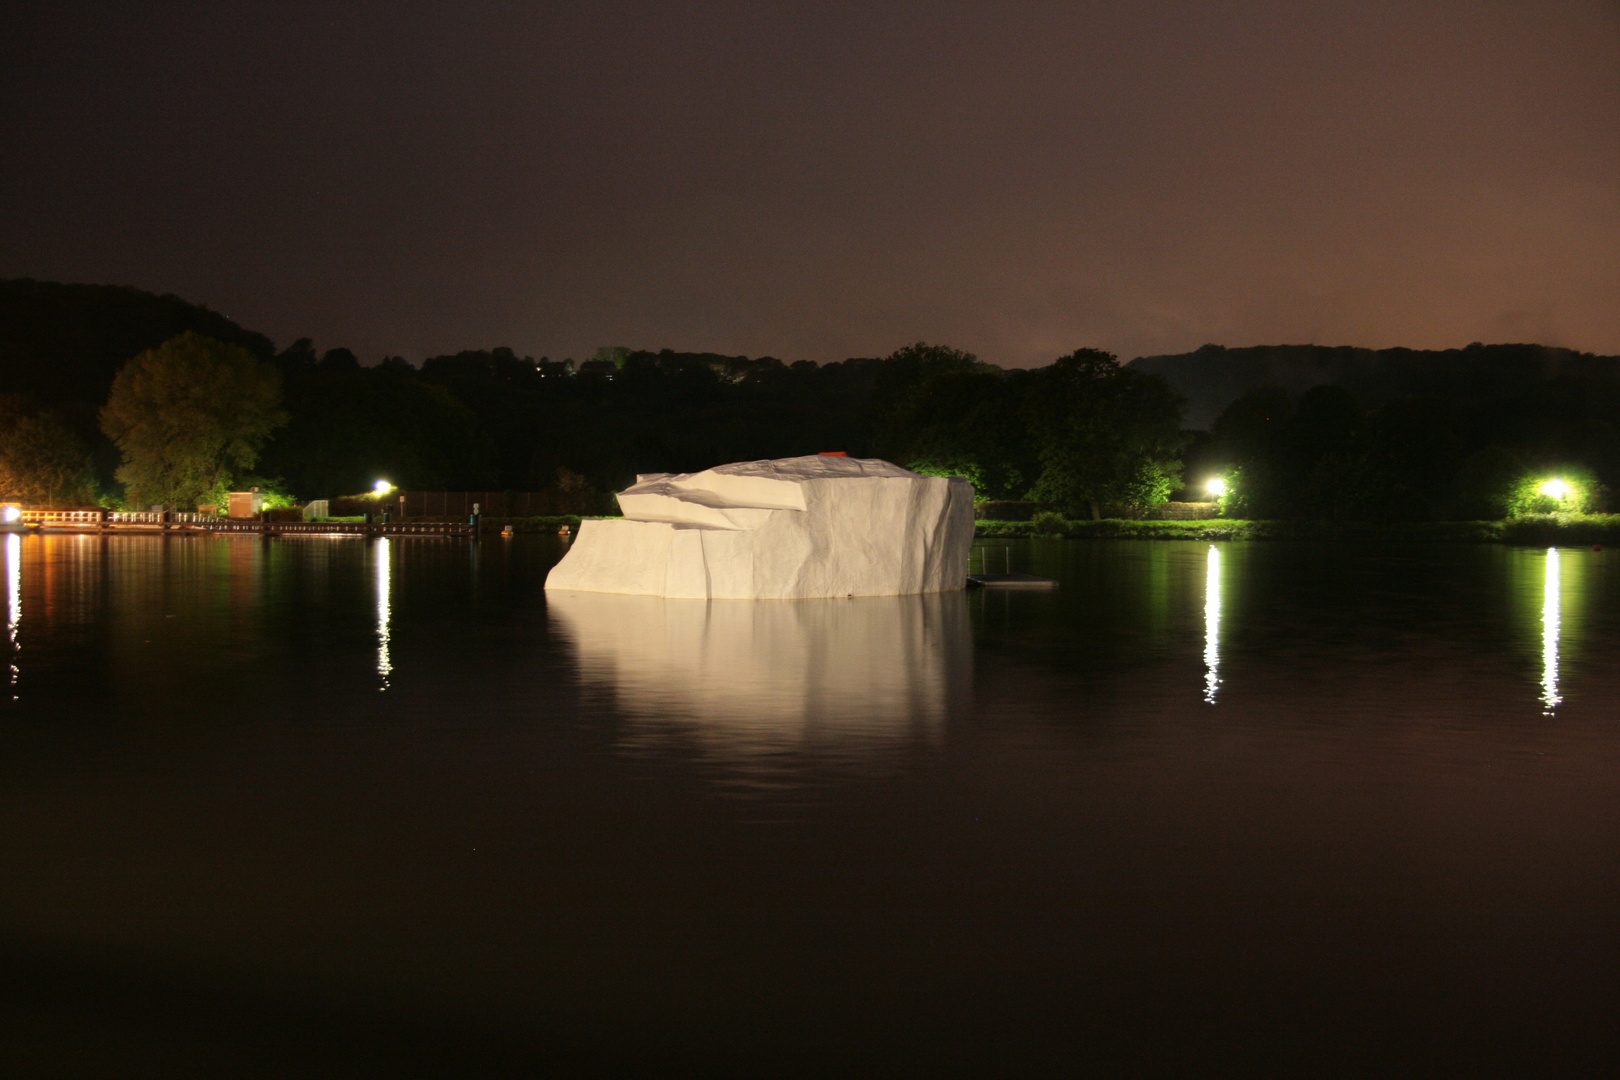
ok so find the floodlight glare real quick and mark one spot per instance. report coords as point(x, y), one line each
point(11, 513)
point(1557, 489)
point(1216, 487)
point(382, 487)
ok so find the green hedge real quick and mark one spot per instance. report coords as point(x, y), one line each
point(1547, 530)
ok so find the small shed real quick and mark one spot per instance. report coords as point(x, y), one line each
point(245, 504)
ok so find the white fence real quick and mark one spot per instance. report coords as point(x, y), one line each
point(74, 520)
point(115, 517)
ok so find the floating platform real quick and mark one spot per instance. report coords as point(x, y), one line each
point(1010, 581)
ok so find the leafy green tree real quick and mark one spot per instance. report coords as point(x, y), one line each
point(1230, 503)
point(943, 412)
point(1566, 489)
point(187, 415)
point(42, 460)
point(1107, 435)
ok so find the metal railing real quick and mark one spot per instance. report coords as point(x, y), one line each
point(210, 523)
point(62, 517)
point(115, 517)
point(328, 528)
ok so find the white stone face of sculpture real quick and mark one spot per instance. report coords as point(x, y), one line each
point(792, 528)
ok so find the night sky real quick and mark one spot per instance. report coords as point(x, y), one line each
point(824, 180)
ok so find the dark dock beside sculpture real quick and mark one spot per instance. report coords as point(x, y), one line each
point(1006, 579)
point(1009, 581)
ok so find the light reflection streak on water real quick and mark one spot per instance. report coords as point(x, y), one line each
point(385, 665)
point(14, 607)
point(1212, 625)
point(1551, 617)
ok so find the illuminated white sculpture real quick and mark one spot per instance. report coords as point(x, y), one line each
point(800, 527)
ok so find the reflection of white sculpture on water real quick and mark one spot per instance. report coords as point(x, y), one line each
point(815, 526)
point(745, 680)
point(1212, 624)
point(1550, 620)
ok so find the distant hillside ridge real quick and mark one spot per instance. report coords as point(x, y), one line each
point(62, 344)
point(1215, 376)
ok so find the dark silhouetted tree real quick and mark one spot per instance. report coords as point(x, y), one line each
point(352, 426)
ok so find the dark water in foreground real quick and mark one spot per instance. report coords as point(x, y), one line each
point(321, 807)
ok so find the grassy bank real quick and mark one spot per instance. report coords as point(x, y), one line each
point(1542, 530)
point(1547, 530)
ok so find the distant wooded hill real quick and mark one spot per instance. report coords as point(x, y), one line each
point(1215, 376)
point(62, 344)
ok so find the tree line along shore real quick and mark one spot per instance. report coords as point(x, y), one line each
point(111, 396)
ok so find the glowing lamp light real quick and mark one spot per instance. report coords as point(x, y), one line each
point(1557, 489)
point(10, 514)
point(1216, 487)
point(382, 487)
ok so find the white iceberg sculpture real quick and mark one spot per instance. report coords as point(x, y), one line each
point(792, 528)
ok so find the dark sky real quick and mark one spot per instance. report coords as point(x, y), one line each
point(822, 180)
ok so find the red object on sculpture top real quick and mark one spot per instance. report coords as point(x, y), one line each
point(833, 453)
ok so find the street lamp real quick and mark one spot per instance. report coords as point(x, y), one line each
point(1216, 487)
point(382, 487)
point(1556, 489)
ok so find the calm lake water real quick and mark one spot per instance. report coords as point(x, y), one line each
point(324, 806)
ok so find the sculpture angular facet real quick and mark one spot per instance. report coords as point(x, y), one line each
point(784, 529)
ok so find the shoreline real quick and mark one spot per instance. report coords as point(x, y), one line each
point(1540, 530)
point(1532, 530)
